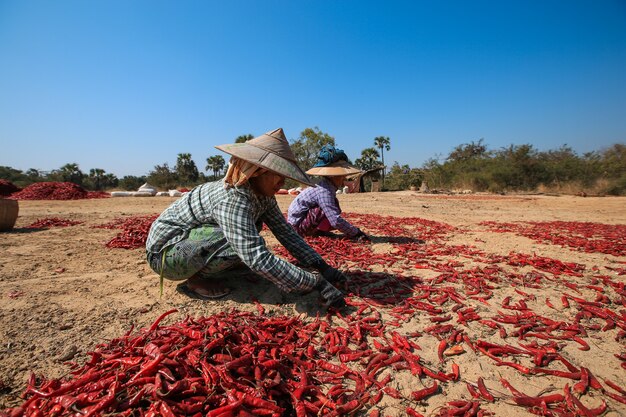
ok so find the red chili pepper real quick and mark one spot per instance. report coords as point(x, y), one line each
point(484, 392)
point(537, 401)
point(106, 401)
point(581, 387)
point(412, 413)
point(442, 347)
point(155, 325)
point(581, 342)
point(256, 402)
point(619, 398)
point(228, 409)
point(615, 387)
point(426, 392)
point(571, 399)
point(473, 392)
point(241, 361)
point(392, 392)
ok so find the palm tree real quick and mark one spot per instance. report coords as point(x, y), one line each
point(368, 160)
point(186, 169)
point(96, 175)
point(383, 142)
point(71, 173)
point(215, 163)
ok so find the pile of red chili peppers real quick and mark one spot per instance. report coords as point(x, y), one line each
point(134, 231)
point(52, 222)
point(471, 306)
point(56, 191)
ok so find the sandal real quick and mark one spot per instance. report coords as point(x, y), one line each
point(184, 289)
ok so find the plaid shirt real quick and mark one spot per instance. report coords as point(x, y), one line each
point(238, 211)
point(324, 197)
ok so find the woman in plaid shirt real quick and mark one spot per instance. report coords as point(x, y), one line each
point(215, 227)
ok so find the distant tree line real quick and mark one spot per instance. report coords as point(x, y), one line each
point(516, 168)
point(524, 168)
point(185, 174)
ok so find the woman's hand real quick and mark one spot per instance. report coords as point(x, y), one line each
point(334, 276)
point(362, 237)
point(331, 295)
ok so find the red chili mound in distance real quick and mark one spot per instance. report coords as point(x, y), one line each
point(52, 222)
point(56, 191)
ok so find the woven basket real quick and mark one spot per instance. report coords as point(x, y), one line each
point(8, 214)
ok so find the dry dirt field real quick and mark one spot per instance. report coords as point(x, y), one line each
point(63, 292)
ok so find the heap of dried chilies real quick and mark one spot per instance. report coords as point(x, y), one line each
point(134, 231)
point(56, 191)
point(52, 222)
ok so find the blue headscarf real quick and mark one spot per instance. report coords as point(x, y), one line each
point(329, 154)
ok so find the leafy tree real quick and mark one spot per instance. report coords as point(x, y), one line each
point(401, 177)
point(516, 167)
point(19, 178)
point(468, 151)
point(186, 169)
point(384, 144)
point(109, 181)
point(613, 161)
point(435, 174)
point(562, 165)
point(10, 174)
point(308, 145)
point(33, 174)
point(243, 138)
point(202, 178)
point(68, 173)
point(163, 177)
point(96, 177)
point(131, 183)
point(369, 159)
point(216, 164)
point(98, 180)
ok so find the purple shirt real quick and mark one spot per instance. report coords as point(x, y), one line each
point(324, 197)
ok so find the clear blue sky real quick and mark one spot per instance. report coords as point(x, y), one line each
point(125, 85)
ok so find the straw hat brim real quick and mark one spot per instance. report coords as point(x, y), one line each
point(267, 160)
point(336, 169)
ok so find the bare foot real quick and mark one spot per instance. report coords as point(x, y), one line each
point(207, 288)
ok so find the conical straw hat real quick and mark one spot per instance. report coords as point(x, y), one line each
point(270, 151)
point(336, 169)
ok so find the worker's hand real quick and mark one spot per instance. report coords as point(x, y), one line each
point(334, 276)
point(362, 237)
point(331, 295)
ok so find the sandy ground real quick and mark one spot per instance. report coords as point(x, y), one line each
point(62, 291)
